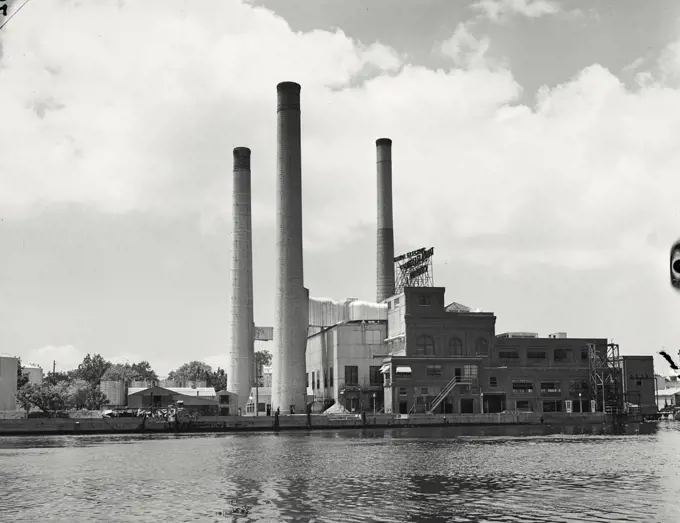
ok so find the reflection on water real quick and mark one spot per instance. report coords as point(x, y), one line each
point(462, 474)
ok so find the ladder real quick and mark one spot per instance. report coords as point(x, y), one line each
point(457, 380)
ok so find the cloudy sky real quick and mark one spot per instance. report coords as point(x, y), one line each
point(536, 147)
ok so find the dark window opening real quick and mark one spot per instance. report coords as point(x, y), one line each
point(375, 378)
point(351, 375)
point(425, 345)
point(508, 354)
point(434, 370)
point(536, 355)
point(493, 381)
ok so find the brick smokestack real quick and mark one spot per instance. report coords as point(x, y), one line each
point(289, 384)
point(240, 370)
point(385, 250)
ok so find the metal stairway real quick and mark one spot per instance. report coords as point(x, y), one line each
point(457, 380)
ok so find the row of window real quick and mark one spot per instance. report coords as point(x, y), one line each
point(425, 346)
point(467, 371)
point(351, 377)
point(546, 387)
point(559, 355)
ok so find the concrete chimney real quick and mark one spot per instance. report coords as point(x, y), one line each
point(240, 372)
point(385, 251)
point(289, 384)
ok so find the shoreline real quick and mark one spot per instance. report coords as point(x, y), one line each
point(315, 422)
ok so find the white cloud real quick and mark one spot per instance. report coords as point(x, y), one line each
point(465, 50)
point(499, 10)
point(145, 119)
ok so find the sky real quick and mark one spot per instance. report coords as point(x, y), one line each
point(535, 146)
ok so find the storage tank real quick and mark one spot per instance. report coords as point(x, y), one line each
point(115, 392)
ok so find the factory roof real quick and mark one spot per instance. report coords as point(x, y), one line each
point(459, 307)
point(201, 392)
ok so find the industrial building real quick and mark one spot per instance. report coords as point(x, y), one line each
point(408, 351)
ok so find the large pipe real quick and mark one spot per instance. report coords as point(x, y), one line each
point(240, 371)
point(385, 250)
point(289, 384)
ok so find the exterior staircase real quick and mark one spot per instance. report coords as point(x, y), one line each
point(457, 380)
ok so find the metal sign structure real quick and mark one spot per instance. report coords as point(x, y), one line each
point(414, 269)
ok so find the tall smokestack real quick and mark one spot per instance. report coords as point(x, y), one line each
point(240, 371)
point(289, 384)
point(385, 251)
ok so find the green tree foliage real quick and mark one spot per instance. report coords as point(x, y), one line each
point(46, 397)
point(22, 379)
point(192, 371)
point(262, 358)
point(57, 377)
point(141, 371)
point(144, 372)
point(92, 369)
point(217, 380)
point(77, 394)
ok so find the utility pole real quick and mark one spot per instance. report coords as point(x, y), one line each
point(54, 367)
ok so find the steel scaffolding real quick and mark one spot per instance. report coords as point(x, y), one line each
point(606, 378)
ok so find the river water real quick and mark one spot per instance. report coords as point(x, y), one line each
point(508, 474)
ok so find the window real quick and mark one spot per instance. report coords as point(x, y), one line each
point(455, 347)
point(638, 383)
point(312, 380)
point(584, 354)
point(550, 387)
point(470, 371)
point(325, 378)
point(508, 354)
point(425, 345)
point(402, 391)
point(536, 354)
point(331, 376)
point(493, 381)
point(482, 346)
point(224, 400)
point(318, 379)
point(351, 375)
point(522, 386)
point(389, 305)
point(375, 378)
point(307, 380)
point(396, 302)
point(434, 370)
point(423, 391)
point(523, 405)
point(562, 355)
point(424, 300)
point(552, 406)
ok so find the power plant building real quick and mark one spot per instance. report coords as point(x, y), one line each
point(409, 352)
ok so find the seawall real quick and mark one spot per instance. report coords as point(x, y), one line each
point(53, 426)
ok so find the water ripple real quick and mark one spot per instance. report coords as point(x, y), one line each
point(508, 475)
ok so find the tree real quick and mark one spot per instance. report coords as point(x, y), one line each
point(262, 358)
point(95, 398)
point(144, 372)
point(119, 372)
point(217, 380)
point(22, 379)
point(92, 369)
point(46, 397)
point(192, 371)
point(57, 377)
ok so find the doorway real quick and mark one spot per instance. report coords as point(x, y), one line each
point(467, 406)
point(494, 403)
point(403, 407)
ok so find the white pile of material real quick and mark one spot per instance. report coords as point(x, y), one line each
point(336, 408)
point(326, 312)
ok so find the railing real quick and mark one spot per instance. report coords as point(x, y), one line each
point(457, 380)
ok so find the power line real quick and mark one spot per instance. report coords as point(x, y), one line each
point(14, 13)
